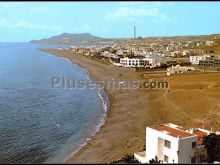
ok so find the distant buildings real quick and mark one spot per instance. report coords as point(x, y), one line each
point(179, 70)
point(133, 62)
point(151, 54)
point(148, 60)
point(205, 60)
point(195, 59)
point(171, 144)
point(210, 62)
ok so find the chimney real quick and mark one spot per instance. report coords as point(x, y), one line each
point(134, 32)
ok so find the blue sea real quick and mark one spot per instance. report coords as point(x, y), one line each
point(39, 124)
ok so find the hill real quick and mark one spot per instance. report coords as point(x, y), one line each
point(67, 38)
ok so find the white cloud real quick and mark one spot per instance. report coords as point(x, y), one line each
point(22, 24)
point(21, 6)
point(27, 25)
point(127, 13)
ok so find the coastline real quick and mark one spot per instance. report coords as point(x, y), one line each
point(131, 110)
point(102, 94)
point(114, 118)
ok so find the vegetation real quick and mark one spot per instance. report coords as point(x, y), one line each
point(155, 161)
point(212, 145)
point(127, 158)
point(201, 155)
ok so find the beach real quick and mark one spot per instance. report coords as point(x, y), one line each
point(191, 100)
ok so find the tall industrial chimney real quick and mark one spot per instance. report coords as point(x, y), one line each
point(134, 32)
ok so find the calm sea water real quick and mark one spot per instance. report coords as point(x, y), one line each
point(37, 123)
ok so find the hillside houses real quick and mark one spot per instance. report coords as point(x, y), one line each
point(148, 54)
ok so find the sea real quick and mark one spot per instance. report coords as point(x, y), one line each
point(38, 123)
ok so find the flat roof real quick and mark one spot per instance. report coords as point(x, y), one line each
point(172, 131)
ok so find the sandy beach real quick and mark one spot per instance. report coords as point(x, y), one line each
point(191, 100)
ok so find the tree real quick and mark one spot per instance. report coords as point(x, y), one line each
point(201, 155)
point(212, 145)
point(155, 161)
point(129, 158)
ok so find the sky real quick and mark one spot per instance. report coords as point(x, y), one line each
point(25, 21)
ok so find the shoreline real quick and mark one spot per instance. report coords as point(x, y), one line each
point(131, 110)
point(76, 158)
point(103, 96)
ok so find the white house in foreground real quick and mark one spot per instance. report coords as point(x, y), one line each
point(171, 144)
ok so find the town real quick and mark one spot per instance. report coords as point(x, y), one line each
point(165, 59)
point(175, 56)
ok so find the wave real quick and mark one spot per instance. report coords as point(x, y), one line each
point(105, 105)
point(67, 59)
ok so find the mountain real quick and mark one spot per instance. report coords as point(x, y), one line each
point(67, 38)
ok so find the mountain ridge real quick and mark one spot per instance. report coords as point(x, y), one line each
point(68, 38)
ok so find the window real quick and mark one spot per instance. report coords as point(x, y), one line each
point(167, 143)
point(193, 144)
point(166, 158)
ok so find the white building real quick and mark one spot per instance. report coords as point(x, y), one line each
point(169, 143)
point(180, 70)
point(119, 52)
point(133, 62)
point(195, 59)
point(155, 59)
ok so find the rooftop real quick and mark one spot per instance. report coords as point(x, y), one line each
point(174, 132)
point(200, 135)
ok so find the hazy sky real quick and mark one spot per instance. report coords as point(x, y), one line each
point(24, 21)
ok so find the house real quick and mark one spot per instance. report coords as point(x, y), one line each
point(195, 59)
point(210, 62)
point(154, 59)
point(119, 52)
point(179, 70)
point(169, 143)
point(133, 62)
point(170, 62)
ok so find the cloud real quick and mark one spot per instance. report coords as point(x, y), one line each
point(127, 13)
point(27, 6)
point(27, 25)
point(22, 24)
